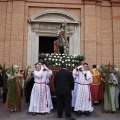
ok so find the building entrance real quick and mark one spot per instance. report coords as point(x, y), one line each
point(46, 44)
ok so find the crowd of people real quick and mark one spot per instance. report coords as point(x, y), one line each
point(80, 89)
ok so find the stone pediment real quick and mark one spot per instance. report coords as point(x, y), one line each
point(53, 16)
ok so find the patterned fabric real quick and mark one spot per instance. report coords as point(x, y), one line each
point(14, 93)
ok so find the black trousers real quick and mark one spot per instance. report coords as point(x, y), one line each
point(119, 100)
point(4, 96)
point(64, 100)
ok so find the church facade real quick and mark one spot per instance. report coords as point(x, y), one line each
point(93, 29)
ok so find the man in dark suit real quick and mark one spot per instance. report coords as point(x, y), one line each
point(28, 88)
point(64, 84)
point(1, 81)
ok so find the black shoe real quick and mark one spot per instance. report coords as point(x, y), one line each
point(42, 113)
point(59, 116)
point(113, 112)
point(87, 113)
point(107, 111)
point(16, 110)
point(33, 113)
point(79, 113)
point(69, 118)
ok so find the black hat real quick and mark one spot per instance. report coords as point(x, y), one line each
point(94, 66)
point(63, 65)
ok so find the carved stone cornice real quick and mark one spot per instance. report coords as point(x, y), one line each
point(98, 2)
point(115, 3)
point(10, 0)
point(90, 2)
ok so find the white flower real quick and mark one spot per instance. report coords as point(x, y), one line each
point(73, 65)
point(56, 63)
point(68, 64)
point(68, 59)
point(53, 59)
point(62, 61)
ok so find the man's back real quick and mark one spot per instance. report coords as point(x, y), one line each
point(64, 82)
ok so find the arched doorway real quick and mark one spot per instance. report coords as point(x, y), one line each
point(45, 25)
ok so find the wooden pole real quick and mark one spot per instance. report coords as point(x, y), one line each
point(66, 38)
point(102, 97)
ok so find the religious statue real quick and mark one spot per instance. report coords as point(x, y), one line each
point(61, 44)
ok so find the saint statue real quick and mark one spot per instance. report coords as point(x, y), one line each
point(61, 44)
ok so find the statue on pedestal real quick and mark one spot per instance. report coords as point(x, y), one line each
point(61, 44)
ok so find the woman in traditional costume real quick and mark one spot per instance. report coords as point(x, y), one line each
point(14, 90)
point(109, 95)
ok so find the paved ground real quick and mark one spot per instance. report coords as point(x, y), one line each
point(24, 115)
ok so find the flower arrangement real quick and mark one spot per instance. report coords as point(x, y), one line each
point(57, 59)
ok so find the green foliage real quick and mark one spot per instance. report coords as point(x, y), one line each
point(81, 58)
point(12, 87)
point(42, 56)
point(107, 82)
point(12, 70)
point(26, 73)
point(105, 71)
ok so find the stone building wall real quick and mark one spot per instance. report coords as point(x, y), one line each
point(99, 28)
